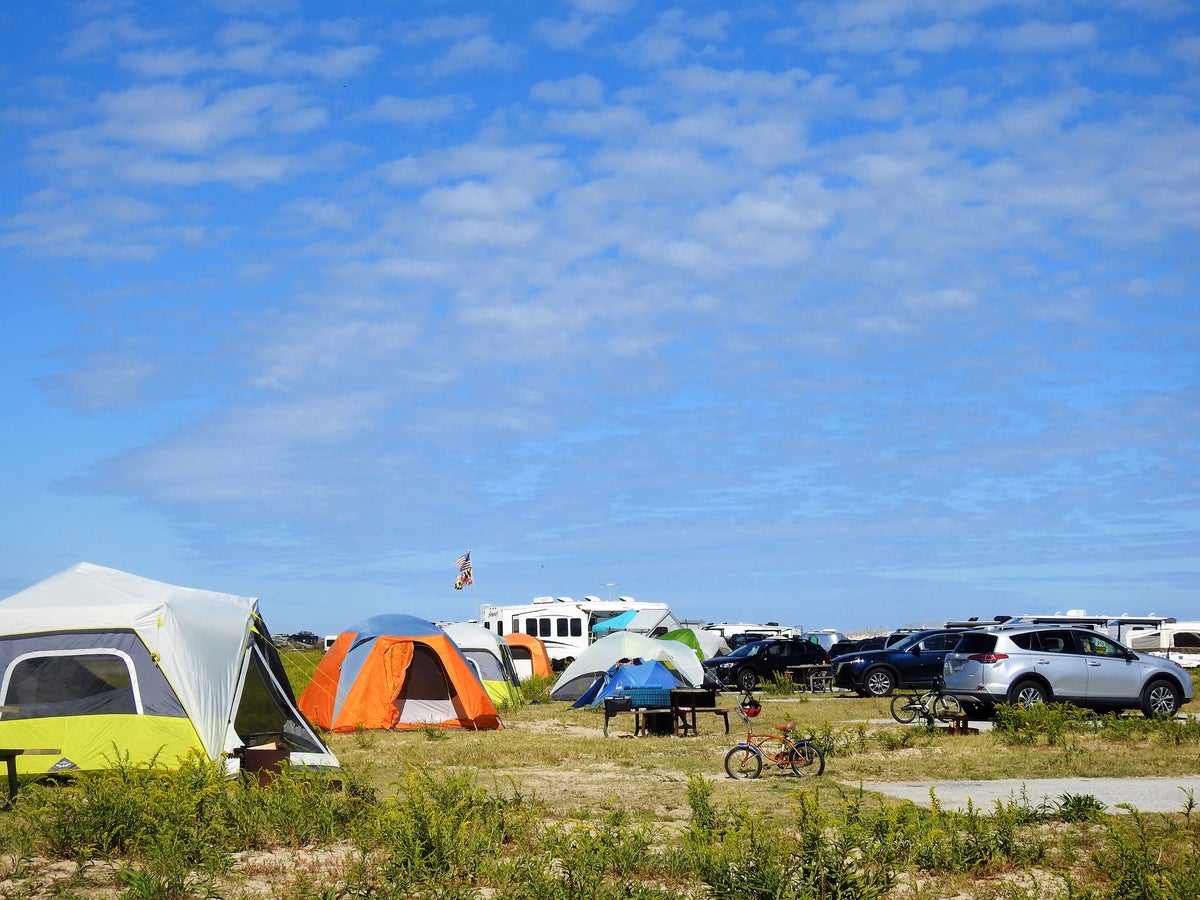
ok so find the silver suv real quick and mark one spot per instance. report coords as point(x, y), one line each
point(1030, 664)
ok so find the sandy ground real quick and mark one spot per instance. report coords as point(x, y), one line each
point(1117, 794)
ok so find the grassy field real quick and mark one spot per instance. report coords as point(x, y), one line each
point(550, 807)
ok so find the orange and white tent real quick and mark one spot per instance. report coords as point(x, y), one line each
point(529, 655)
point(396, 671)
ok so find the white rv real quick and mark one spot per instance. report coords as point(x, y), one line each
point(738, 633)
point(1177, 641)
point(566, 626)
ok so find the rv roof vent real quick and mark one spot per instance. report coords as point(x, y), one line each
point(543, 599)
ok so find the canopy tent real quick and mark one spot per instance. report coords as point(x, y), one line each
point(102, 665)
point(628, 674)
point(601, 655)
point(529, 655)
point(491, 659)
point(396, 672)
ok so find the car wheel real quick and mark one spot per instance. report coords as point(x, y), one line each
point(879, 682)
point(747, 679)
point(1160, 699)
point(1029, 693)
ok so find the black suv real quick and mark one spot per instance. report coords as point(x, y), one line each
point(913, 661)
point(746, 666)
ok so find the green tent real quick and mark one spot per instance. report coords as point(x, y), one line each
point(686, 636)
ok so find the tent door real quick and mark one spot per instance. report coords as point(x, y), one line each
point(426, 694)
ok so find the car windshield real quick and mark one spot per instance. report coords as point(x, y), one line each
point(747, 650)
point(905, 642)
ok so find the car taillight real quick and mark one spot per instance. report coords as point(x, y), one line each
point(987, 657)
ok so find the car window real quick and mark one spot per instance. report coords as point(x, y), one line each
point(976, 643)
point(905, 643)
point(1023, 640)
point(1051, 642)
point(939, 642)
point(776, 649)
point(1097, 645)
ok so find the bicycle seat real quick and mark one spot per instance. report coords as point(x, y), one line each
point(785, 727)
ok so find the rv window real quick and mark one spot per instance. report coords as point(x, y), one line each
point(41, 686)
point(576, 628)
point(562, 627)
point(531, 627)
point(544, 627)
point(499, 627)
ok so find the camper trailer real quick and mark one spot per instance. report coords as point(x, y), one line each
point(1177, 641)
point(738, 634)
point(567, 626)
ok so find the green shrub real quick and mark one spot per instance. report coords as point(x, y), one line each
point(536, 688)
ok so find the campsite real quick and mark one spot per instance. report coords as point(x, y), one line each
point(548, 807)
point(166, 749)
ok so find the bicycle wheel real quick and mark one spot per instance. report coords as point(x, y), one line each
point(946, 707)
point(905, 708)
point(743, 762)
point(806, 758)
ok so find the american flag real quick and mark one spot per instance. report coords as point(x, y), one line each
point(464, 571)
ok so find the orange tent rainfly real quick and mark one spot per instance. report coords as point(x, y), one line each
point(529, 655)
point(396, 671)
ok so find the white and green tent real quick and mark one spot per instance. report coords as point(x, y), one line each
point(103, 665)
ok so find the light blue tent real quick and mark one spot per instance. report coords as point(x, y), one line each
point(628, 674)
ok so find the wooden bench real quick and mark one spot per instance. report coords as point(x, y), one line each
point(683, 717)
point(10, 758)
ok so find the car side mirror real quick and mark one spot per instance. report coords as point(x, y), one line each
point(915, 651)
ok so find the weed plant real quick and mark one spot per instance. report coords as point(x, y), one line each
point(536, 688)
point(497, 814)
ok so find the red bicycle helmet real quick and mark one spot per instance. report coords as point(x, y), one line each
point(751, 707)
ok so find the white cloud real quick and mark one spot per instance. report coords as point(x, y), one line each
point(1048, 37)
point(417, 111)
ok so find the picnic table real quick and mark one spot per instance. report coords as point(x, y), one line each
point(9, 755)
point(683, 719)
point(814, 677)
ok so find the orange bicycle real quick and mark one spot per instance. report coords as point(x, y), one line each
point(746, 760)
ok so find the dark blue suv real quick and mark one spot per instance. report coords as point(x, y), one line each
point(914, 661)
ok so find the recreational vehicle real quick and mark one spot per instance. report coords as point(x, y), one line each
point(1121, 628)
point(1177, 641)
point(567, 626)
point(737, 634)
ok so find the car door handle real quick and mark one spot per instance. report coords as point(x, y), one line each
point(1043, 662)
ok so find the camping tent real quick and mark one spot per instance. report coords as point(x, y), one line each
point(627, 674)
point(102, 664)
point(491, 659)
point(707, 644)
point(396, 671)
point(600, 656)
point(529, 655)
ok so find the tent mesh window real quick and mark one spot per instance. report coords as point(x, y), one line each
point(76, 685)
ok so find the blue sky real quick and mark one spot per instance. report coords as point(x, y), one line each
point(849, 315)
